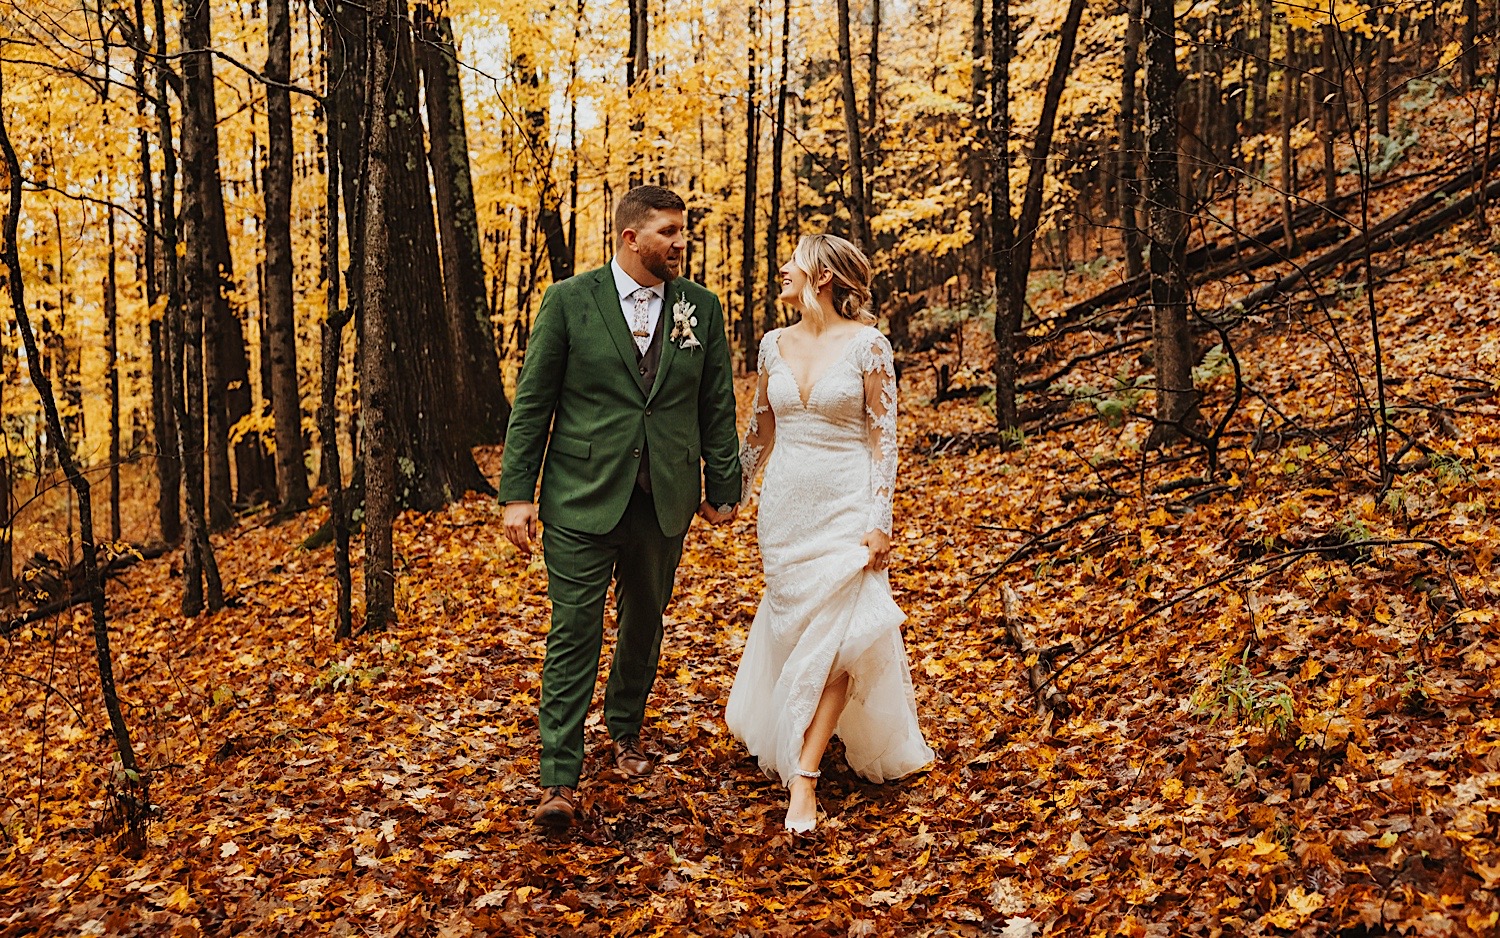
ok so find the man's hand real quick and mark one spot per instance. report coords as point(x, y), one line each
point(713, 516)
point(879, 545)
point(520, 525)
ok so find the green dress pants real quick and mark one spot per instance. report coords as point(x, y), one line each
point(642, 562)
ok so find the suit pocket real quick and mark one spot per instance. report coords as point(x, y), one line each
point(694, 455)
point(570, 446)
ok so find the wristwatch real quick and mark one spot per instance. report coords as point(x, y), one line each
point(724, 509)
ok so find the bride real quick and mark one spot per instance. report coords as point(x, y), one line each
point(824, 654)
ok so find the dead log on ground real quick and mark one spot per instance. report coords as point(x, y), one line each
point(1046, 695)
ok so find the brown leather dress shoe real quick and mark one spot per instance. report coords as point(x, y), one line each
point(629, 758)
point(558, 807)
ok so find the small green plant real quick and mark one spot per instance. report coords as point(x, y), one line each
point(342, 676)
point(1395, 499)
point(1352, 530)
point(1451, 468)
point(1127, 394)
point(1013, 438)
point(1237, 695)
point(1215, 362)
point(1413, 694)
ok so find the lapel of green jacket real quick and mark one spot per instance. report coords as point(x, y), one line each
point(607, 300)
point(668, 347)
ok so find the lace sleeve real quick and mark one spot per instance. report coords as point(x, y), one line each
point(755, 448)
point(880, 418)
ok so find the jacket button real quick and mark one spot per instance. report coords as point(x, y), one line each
point(648, 411)
point(636, 453)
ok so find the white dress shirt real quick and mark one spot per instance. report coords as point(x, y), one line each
point(626, 286)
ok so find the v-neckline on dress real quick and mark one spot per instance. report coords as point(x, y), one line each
point(837, 359)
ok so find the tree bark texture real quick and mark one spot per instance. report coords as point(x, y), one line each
point(163, 401)
point(184, 385)
point(112, 375)
point(335, 318)
point(281, 321)
point(477, 365)
point(978, 91)
point(226, 366)
point(854, 192)
point(1176, 401)
point(1002, 225)
point(1129, 143)
point(376, 372)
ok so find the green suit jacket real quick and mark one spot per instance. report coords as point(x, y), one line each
point(580, 418)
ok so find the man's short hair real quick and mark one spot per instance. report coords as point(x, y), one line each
point(640, 202)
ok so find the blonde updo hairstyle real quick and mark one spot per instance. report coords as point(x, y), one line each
point(851, 275)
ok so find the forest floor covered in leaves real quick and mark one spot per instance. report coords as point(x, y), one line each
point(1282, 695)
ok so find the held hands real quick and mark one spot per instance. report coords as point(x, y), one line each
point(520, 525)
point(713, 516)
point(879, 545)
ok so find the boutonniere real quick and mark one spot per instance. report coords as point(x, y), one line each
point(683, 321)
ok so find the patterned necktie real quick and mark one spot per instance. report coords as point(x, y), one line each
point(640, 319)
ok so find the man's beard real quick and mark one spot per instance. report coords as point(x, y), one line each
point(660, 267)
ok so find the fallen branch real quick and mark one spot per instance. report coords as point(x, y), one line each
point(1198, 262)
point(1398, 230)
point(129, 559)
point(1047, 697)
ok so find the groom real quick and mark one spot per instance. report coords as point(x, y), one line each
point(628, 390)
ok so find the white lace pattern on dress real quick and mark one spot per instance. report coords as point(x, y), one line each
point(879, 369)
point(830, 472)
point(755, 448)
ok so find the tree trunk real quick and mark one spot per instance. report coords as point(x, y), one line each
point(7, 563)
point(1289, 155)
point(377, 406)
point(334, 321)
point(1383, 54)
point(93, 582)
point(1332, 87)
point(1260, 108)
point(198, 566)
point(1129, 143)
point(854, 193)
point(752, 183)
point(1469, 59)
point(281, 321)
point(1002, 230)
point(201, 270)
point(112, 375)
point(778, 135)
point(478, 367)
point(1011, 306)
point(429, 439)
point(637, 80)
point(225, 363)
point(978, 86)
point(1176, 401)
point(163, 415)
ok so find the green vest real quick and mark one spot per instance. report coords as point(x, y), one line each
point(581, 419)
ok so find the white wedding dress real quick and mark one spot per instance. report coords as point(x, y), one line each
point(830, 470)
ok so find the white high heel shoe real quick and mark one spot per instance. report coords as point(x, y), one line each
point(803, 827)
